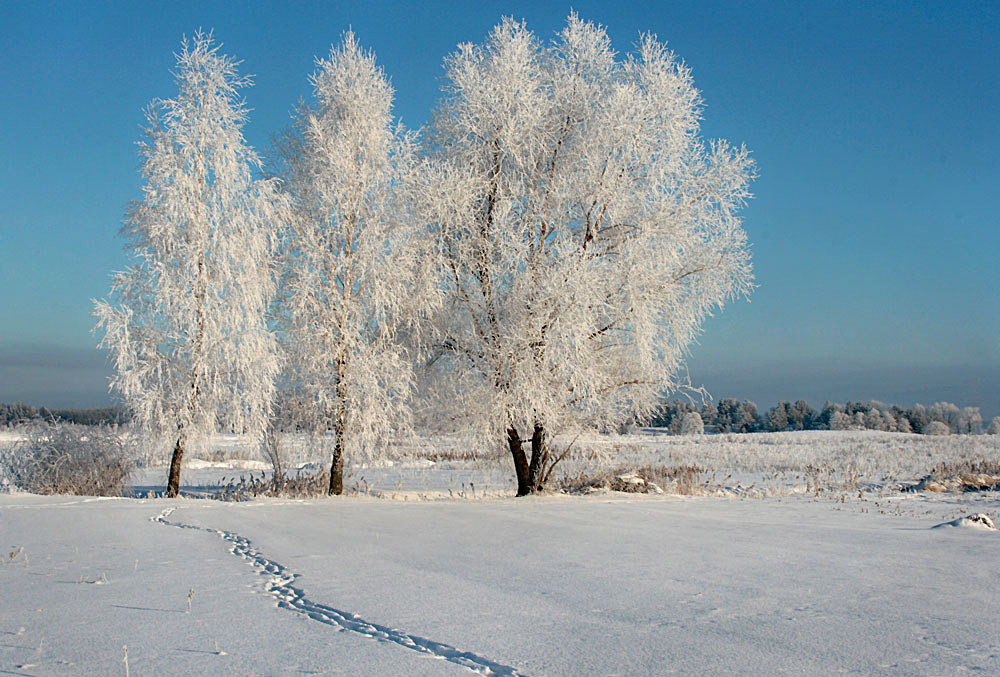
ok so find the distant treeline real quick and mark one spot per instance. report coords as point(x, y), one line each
point(19, 412)
point(726, 416)
point(729, 415)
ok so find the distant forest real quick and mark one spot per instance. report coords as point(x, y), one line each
point(729, 415)
point(726, 416)
point(19, 412)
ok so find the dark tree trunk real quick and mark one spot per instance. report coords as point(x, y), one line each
point(539, 455)
point(273, 455)
point(339, 429)
point(174, 478)
point(521, 468)
point(337, 468)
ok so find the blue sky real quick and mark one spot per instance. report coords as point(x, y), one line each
point(875, 127)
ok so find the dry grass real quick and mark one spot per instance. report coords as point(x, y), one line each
point(303, 484)
point(68, 459)
point(685, 480)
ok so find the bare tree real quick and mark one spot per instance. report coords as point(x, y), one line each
point(186, 327)
point(586, 231)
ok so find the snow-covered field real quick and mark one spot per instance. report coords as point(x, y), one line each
point(821, 567)
point(761, 464)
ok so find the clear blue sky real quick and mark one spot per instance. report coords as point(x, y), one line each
point(876, 127)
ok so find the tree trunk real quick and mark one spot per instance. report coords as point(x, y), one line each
point(339, 429)
point(337, 466)
point(273, 455)
point(174, 478)
point(539, 454)
point(521, 468)
point(337, 469)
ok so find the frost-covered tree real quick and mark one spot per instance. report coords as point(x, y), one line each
point(727, 415)
point(586, 232)
point(801, 416)
point(903, 425)
point(918, 417)
point(970, 421)
point(691, 424)
point(839, 421)
point(186, 324)
point(777, 417)
point(946, 413)
point(936, 428)
point(994, 428)
point(352, 274)
point(709, 415)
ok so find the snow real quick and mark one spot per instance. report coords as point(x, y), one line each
point(548, 585)
point(776, 581)
point(977, 521)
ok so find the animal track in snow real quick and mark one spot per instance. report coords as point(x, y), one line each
point(279, 584)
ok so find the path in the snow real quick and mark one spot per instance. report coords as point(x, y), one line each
point(279, 583)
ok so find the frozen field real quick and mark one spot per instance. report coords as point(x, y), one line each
point(759, 465)
point(798, 557)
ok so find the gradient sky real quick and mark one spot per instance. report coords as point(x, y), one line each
point(875, 126)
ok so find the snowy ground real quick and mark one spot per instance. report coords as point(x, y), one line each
point(777, 581)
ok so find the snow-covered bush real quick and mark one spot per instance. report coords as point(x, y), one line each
point(68, 459)
point(692, 424)
point(971, 421)
point(994, 428)
point(840, 421)
point(936, 428)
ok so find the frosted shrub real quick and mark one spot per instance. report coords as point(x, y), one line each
point(68, 459)
point(840, 421)
point(692, 424)
point(994, 428)
point(936, 428)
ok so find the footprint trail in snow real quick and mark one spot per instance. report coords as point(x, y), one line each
point(279, 583)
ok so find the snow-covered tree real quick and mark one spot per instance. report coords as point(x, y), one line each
point(727, 415)
point(692, 424)
point(936, 428)
point(839, 421)
point(186, 324)
point(903, 425)
point(994, 428)
point(970, 421)
point(777, 417)
point(353, 270)
point(709, 415)
point(586, 231)
point(947, 413)
point(918, 417)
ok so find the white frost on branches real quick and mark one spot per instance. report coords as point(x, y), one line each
point(586, 230)
point(186, 324)
point(354, 269)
